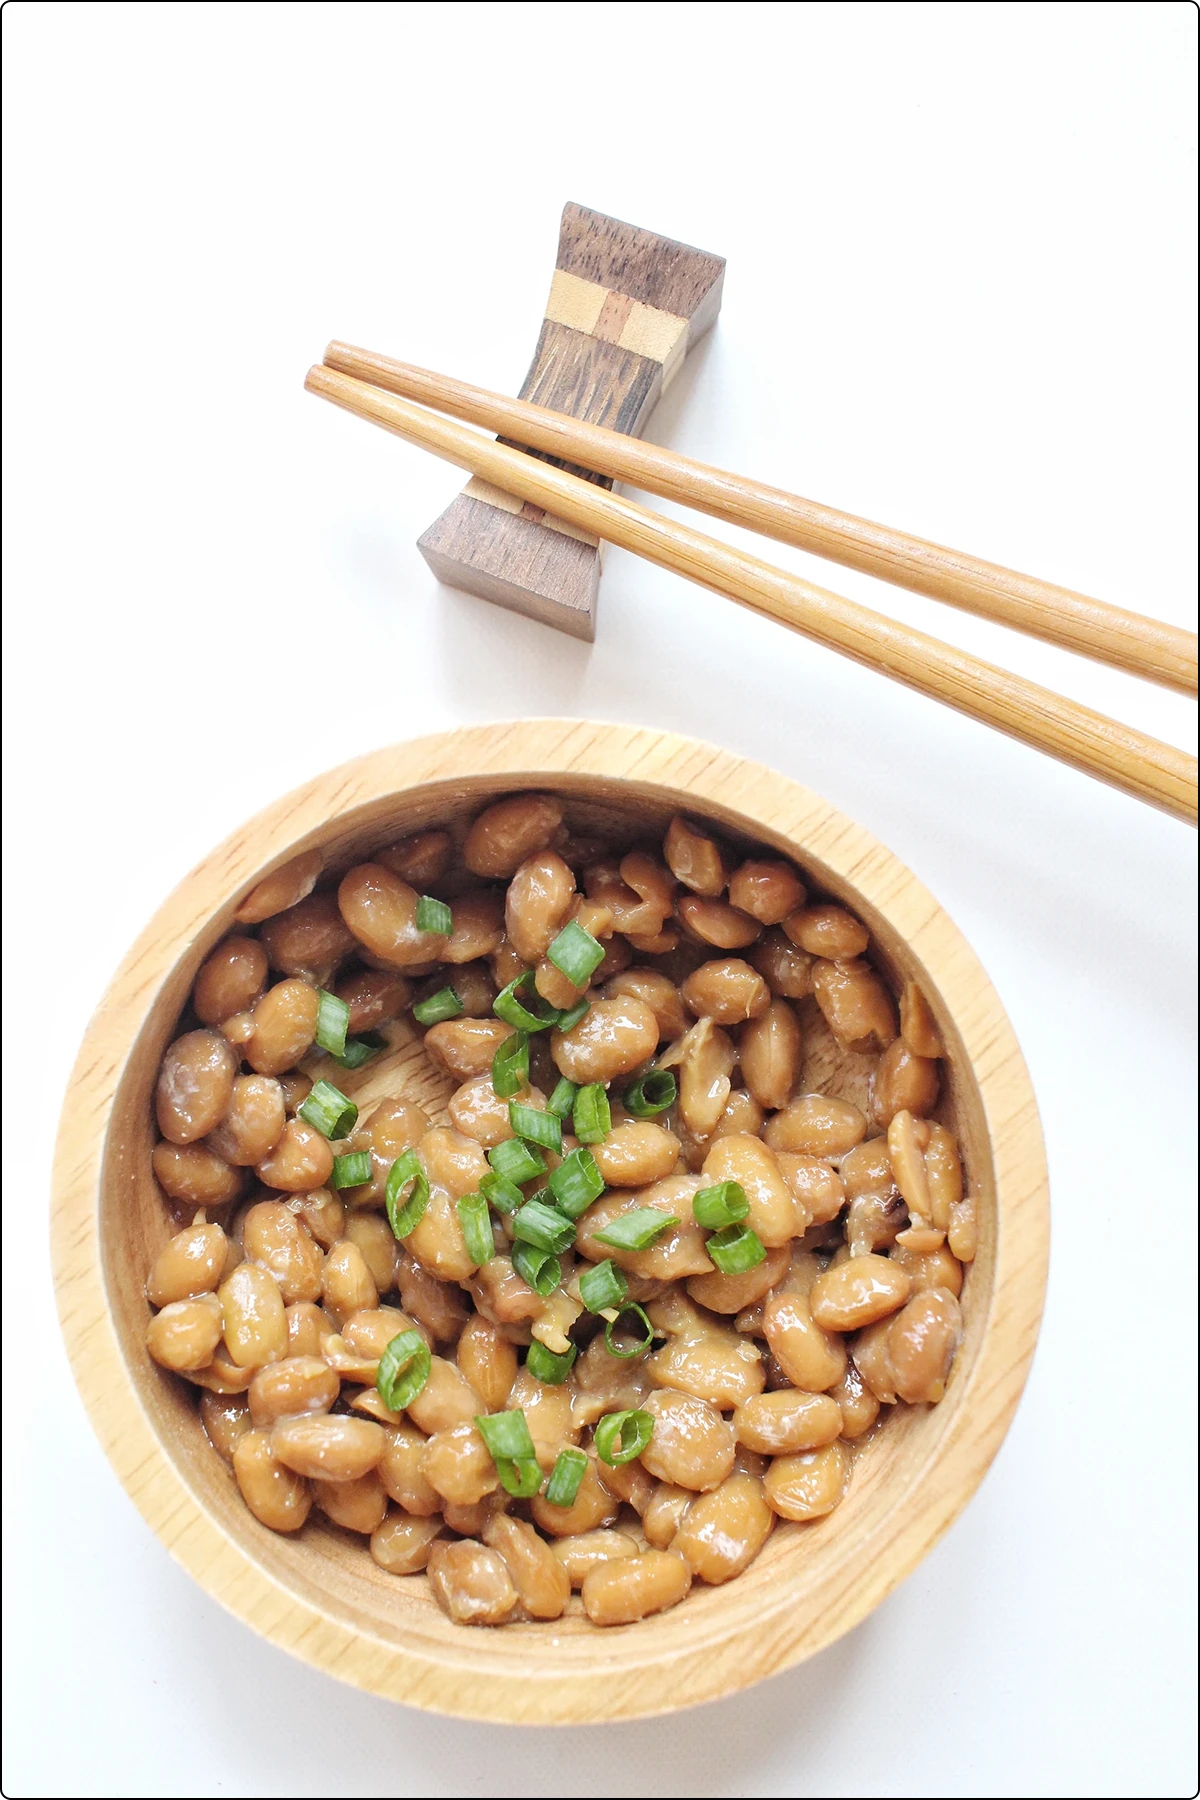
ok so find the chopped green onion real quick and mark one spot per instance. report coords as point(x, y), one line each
point(329, 1110)
point(403, 1370)
point(520, 1476)
point(516, 1161)
point(511, 1008)
point(567, 1021)
point(361, 1049)
point(538, 1268)
point(476, 1222)
point(631, 1430)
point(544, 1227)
point(352, 1170)
point(504, 1195)
point(535, 1126)
point(576, 1182)
point(636, 1230)
point(602, 1286)
point(434, 915)
point(643, 1343)
point(547, 1365)
point(510, 1065)
point(651, 1093)
point(593, 1117)
point(445, 1004)
point(333, 1018)
point(735, 1249)
point(505, 1434)
point(562, 1100)
point(576, 952)
point(724, 1204)
point(570, 1467)
point(405, 1215)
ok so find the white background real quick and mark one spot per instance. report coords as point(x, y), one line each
point(960, 299)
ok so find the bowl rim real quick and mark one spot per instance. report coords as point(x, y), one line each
point(529, 753)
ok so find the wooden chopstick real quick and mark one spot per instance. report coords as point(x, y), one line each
point(1109, 634)
point(1115, 753)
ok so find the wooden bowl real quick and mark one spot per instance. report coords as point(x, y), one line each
point(321, 1596)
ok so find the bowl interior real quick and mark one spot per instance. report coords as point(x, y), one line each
point(803, 1580)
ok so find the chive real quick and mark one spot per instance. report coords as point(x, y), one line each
point(403, 1370)
point(544, 1227)
point(333, 1018)
point(724, 1204)
point(632, 1430)
point(735, 1249)
point(434, 915)
point(516, 1161)
point(602, 1285)
point(593, 1118)
point(329, 1110)
point(505, 1434)
point(570, 1467)
point(547, 1365)
point(445, 1004)
point(476, 1222)
point(567, 1021)
point(576, 1182)
point(510, 1065)
point(504, 1195)
point(405, 1215)
point(535, 1126)
point(509, 1006)
point(576, 952)
point(361, 1049)
point(520, 1476)
point(636, 1230)
point(562, 1101)
point(538, 1268)
point(651, 1093)
point(352, 1170)
point(644, 1343)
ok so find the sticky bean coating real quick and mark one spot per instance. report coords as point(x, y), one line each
point(723, 1531)
point(466, 1047)
point(420, 859)
point(275, 1494)
point(786, 968)
point(855, 1004)
point(309, 940)
point(622, 1591)
point(458, 1465)
point(185, 1333)
point(810, 1484)
point(727, 991)
point(733, 1293)
point(770, 1048)
point(918, 1027)
point(333, 1448)
point(505, 833)
point(225, 1420)
point(283, 887)
point(403, 1545)
point(374, 996)
point(255, 1322)
point(300, 1161)
point(285, 1026)
point(381, 911)
point(346, 1283)
point(471, 1583)
point(921, 1344)
point(196, 1175)
point(659, 993)
point(372, 1235)
point(856, 1293)
point(537, 1574)
point(811, 1357)
point(192, 1263)
point(537, 903)
point(692, 1446)
point(787, 1420)
point(230, 980)
point(636, 1153)
point(693, 858)
point(904, 1081)
point(354, 1505)
point(817, 1125)
point(579, 1555)
point(613, 1038)
point(592, 1508)
point(768, 891)
point(716, 922)
point(253, 1124)
point(488, 1361)
point(273, 1236)
point(477, 927)
point(295, 1385)
point(751, 1163)
point(195, 1086)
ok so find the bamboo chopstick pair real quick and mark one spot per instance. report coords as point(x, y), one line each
point(382, 391)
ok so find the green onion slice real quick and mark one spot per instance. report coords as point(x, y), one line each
point(547, 1365)
point(403, 1370)
point(651, 1093)
point(544, 1227)
point(593, 1117)
point(567, 1021)
point(538, 1268)
point(735, 1249)
point(576, 1182)
point(570, 1467)
point(535, 1126)
point(476, 1222)
point(636, 1230)
point(724, 1204)
point(434, 915)
point(352, 1170)
point(405, 1215)
point(360, 1049)
point(562, 1101)
point(621, 1436)
point(329, 1110)
point(445, 1004)
point(601, 1286)
point(333, 1019)
point(510, 1065)
point(520, 1476)
point(504, 1195)
point(576, 952)
point(643, 1342)
point(516, 1161)
point(505, 1434)
point(510, 1005)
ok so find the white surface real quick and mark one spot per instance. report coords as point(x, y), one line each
point(959, 298)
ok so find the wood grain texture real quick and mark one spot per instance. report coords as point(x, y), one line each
point(1108, 634)
point(1114, 753)
point(321, 1597)
point(624, 307)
